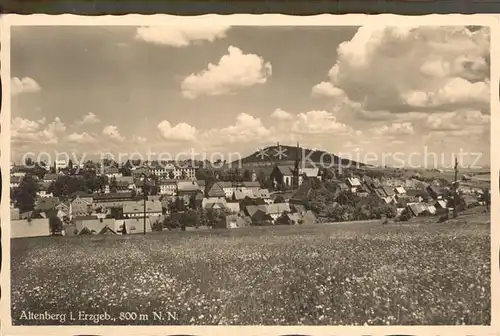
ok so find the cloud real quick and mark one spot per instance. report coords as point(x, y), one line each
point(181, 131)
point(23, 85)
point(180, 36)
point(234, 71)
point(403, 128)
point(246, 128)
point(425, 68)
point(326, 89)
point(81, 138)
point(139, 139)
point(29, 131)
point(112, 133)
point(89, 118)
point(281, 115)
point(319, 122)
point(458, 120)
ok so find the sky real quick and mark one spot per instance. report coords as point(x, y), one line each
point(368, 93)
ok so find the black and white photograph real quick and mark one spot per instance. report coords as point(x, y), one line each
point(238, 173)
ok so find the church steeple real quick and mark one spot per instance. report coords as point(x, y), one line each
point(296, 170)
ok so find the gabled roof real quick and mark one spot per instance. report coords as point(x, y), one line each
point(233, 207)
point(286, 170)
point(225, 184)
point(16, 179)
point(252, 209)
point(107, 230)
point(167, 182)
point(138, 207)
point(241, 194)
point(251, 184)
point(354, 181)
point(187, 186)
point(128, 179)
point(201, 183)
point(400, 190)
point(388, 191)
point(278, 208)
point(216, 191)
point(310, 172)
point(81, 194)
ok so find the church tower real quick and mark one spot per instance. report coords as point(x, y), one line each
point(296, 168)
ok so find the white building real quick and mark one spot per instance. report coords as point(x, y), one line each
point(61, 164)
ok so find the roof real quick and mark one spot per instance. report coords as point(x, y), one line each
point(138, 207)
point(233, 207)
point(310, 172)
point(134, 225)
point(261, 193)
point(278, 208)
point(36, 227)
point(187, 186)
point(107, 230)
point(241, 194)
point(44, 186)
point(442, 203)
point(400, 190)
point(354, 181)
point(251, 184)
point(285, 170)
point(388, 190)
point(216, 191)
point(167, 181)
point(111, 170)
point(128, 179)
point(81, 194)
point(95, 225)
point(201, 183)
point(50, 177)
point(298, 208)
point(111, 196)
point(252, 209)
point(225, 184)
point(16, 179)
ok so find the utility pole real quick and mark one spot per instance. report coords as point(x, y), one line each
point(455, 190)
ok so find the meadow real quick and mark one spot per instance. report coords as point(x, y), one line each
point(344, 274)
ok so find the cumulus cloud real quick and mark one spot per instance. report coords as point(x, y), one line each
point(319, 122)
point(113, 133)
point(246, 128)
point(234, 71)
point(408, 68)
point(403, 128)
point(326, 89)
point(139, 139)
point(23, 85)
point(181, 36)
point(281, 115)
point(81, 138)
point(89, 118)
point(181, 131)
point(458, 120)
point(24, 130)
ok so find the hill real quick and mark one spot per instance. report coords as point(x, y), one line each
point(288, 154)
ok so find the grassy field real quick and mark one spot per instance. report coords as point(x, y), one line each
point(416, 273)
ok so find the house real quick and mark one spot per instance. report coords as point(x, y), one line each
point(216, 191)
point(125, 186)
point(235, 221)
point(251, 185)
point(112, 172)
point(168, 187)
point(275, 210)
point(469, 201)
point(208, 202)
point(233, 207)
point(228, 187)
point(185, 171)
point(264, 194)
point(259, 216)
point(417, 195)
point(241, 193)
point(388, 191)
point(14, 214)
point(188, 188)
point(49, 178)
point(310, 173)
point(93, 224)
point(107, 231)
point(441, 204)
point(34, 227)
point(15, 181)
point(133, 225)
point(89, 198)
point(289, 219)
point(301, 196)
point(60, 164)
point(354, 183)
point(81, 206)
point(17, 173)
point(435, 192)
point(284, 175)
point(136, 209)
point(201, 185)
point(43, 190)
point(128, 179)
point(250, 210)
point(400, 190)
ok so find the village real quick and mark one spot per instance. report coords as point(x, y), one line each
point(110, 198)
